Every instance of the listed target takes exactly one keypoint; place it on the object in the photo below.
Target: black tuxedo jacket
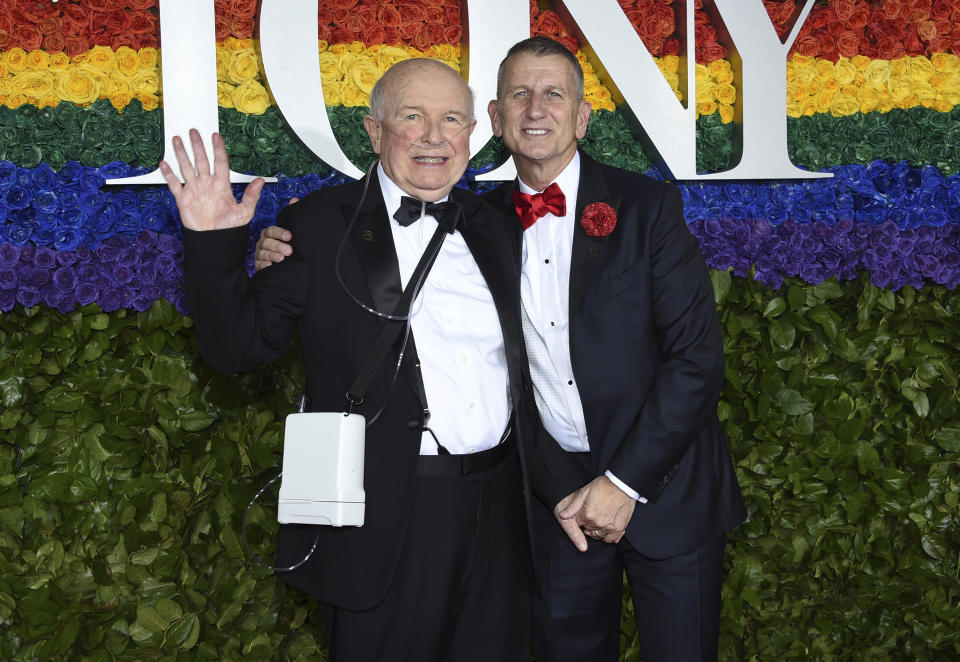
(647, 354)
(243, 322)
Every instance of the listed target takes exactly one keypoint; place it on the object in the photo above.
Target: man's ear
(372, 125)
(494, 118)
(583, 118)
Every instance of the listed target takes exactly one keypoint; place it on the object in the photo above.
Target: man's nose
(536, 107)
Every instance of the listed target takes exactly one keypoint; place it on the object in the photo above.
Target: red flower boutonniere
(598, 219)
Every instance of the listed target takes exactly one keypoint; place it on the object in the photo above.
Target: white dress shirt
(545, 298)
(458, 337)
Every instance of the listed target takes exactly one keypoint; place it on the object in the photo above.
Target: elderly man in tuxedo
(626, 361)
(440, 570)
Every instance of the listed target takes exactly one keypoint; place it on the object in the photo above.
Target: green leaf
(721, 284)
(69, 487)
(775, 307)
(791, 402)
(783, 333)
(948, 439)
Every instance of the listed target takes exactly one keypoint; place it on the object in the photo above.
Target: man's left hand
(600, 508)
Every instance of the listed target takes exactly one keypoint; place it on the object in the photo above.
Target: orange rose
(388, 16)
(342, 4)
(848, 43)
(433, 14)
(243, 8)
(374, 34)
(390, 35)
(422, 40)
(547, 24)
(452, 34)
(241, 27)
(927, 30)
(411, 13)
(143, 22)
(339, 17)
(28, 36)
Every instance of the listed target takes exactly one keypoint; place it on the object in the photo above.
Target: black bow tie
(447, 213)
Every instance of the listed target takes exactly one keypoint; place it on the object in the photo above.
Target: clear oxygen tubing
(406, 335)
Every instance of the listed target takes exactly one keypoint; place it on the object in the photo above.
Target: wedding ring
(596, 533)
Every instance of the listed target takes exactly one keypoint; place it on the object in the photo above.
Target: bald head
(420, 68)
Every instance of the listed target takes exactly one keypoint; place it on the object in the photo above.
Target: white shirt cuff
(629, 491)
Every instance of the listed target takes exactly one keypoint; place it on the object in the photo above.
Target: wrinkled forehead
(437, 88)
(524, 68)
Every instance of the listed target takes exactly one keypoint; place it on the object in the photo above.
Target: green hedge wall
(126, 464)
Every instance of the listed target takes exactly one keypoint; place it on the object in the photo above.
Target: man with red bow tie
(626, 361)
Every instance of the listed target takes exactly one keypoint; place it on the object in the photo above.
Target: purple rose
(65, 279)
(28, 296)
(110, 249)
(86, 293)
(7, 300)
(44, 258)
(110, 300)
(141, 302)
(122, 275)
(169, 244)
(8, 279)
(9, 255)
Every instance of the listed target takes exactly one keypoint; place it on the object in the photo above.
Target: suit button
(414, 424)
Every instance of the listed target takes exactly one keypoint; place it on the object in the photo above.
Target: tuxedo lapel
(587, 250)
(373, 244)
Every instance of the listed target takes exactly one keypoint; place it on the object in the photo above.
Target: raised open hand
(205, 200)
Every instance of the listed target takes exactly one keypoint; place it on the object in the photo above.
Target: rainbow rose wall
(126, 463)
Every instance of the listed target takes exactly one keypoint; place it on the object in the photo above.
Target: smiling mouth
(535, 132)
(429, 160)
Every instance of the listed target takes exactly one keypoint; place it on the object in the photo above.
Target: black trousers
(463, 587)
(577, 606)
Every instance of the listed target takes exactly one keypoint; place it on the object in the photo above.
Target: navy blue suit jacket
(647, 355)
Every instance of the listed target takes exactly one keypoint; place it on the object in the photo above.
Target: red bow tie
(530, 207)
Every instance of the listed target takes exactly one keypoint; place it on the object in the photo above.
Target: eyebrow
(402, 110)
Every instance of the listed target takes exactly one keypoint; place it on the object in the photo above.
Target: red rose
(117, 20)
(891, 48)
(671, 46)
(388, 16)
(408, 31)
(221, 27)
(5, 40)
(75, 44)
(242, 28)
(808, 45)
(50, 25)
(143, 22)
(28, 36)
(705, 33)
(373, 34)
(570, 42)
(919, 14)
(324, 17)
(452, 34)
(97, 5)
(942, 10)
(842, 9)
(340, 17)
(340, 36)
(422, 40)
(52, 42)
(390, 35)
(848, 43)
(341, 4)
(435, 31)
(598, 219)
(324, 32)
(243, 8)
(356, 23)
(149, 41)
(927, 30)
(547, 24)
(452, 15)
(828, 46)
(411, 13)
(710, 52)
(98, 22)
(137, 5)
(124, 39)
(818, 17)
(433, 14)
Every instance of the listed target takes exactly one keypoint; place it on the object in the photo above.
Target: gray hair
(542, 47)
(378, 95)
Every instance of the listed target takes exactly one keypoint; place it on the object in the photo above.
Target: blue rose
(65, 279)
(86, 293)
(66, 238)
(18, 197)
(18, 233)
(114, 170)
(28, 296)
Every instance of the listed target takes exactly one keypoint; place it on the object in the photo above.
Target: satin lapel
(373, 244)
(586, 249)
(501, 198)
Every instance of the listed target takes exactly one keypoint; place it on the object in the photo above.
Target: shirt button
(473, 405)
(570, 382)
(546, 261)
(553, 323)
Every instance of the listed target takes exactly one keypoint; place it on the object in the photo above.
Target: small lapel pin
(368, 235)
(592, 251)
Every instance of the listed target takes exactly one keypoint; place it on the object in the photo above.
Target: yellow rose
(38, 59)
(809, 108)
(225, 94)
(337, 49)
(148, 101)
(6, 85)
(445, 52)
(16, 100)
(860, 62)
(101, 57)
(844, 105)
(920, 69)
(877, 73)
(925, 93)
(706, 108)
(824, 100)
(35, 84)
(120, 100)
(128, 61)
(241, 44)
(717, 67)
(824, 68)
(356, 47)
(726, 113)
(389, 56)
(353, 95)
(945, 61)
(145, 81)
(724, 77)
(669, 64)
(344, 64)
(59, 60)
(726, 94)
(78, 86)
(51, 101)
(898, 67)
(364, 74)
(885, 104)
(329, 67)
(943, 106)
(844, 71)
(223, 61)
(900, 88)
(802, 60)
(323, 45)
(867, 99)
(3, 70)
(673, 80)
(148, 57)
(117, 83)
(251, 98)
(331, 95)
(794, 109)
(706, 93)
(701, 75)
(243, 66)
(16, 59)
